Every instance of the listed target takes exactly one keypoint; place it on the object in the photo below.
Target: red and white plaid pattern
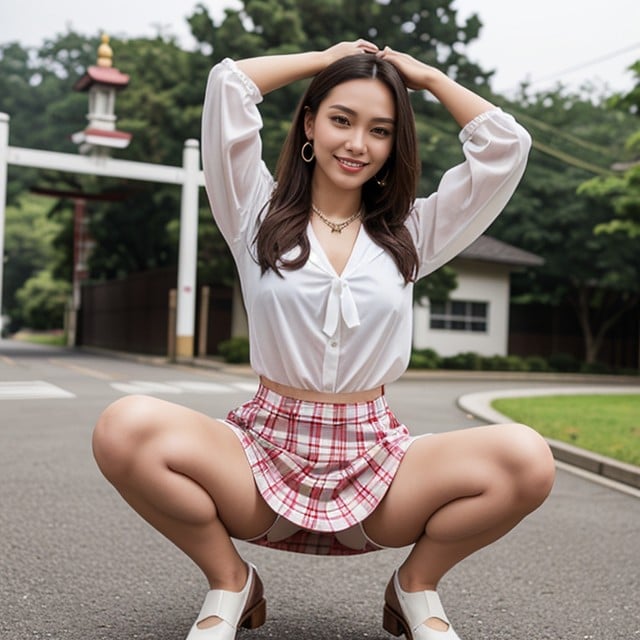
(324, 467)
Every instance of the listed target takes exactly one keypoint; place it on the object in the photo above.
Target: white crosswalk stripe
(39, 389)
(140, 386)
(201, 387)
(182, 386)
(246, 386)
(32, 390)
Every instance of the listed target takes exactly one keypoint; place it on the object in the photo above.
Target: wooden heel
(256, 617)
(392, 623)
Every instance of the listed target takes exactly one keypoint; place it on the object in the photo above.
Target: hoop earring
(382, 182)
(304, 152)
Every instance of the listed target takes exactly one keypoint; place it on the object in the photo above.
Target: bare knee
(530, 462)
(120, 431)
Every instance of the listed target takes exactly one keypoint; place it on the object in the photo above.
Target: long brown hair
(385, 207)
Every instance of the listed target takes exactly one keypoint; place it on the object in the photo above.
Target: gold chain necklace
(336, 227)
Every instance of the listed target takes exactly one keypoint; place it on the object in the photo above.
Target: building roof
(488, 249)
(109, 76)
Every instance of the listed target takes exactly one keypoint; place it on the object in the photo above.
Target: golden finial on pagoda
(105, 52)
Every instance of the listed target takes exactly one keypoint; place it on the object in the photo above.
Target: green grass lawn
(52, 338)
(605, 424)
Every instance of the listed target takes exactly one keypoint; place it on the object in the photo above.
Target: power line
(589, 63)
(570, 159)
(559, 132)
(566, 158)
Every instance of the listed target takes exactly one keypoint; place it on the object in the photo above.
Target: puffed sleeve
(472, 194)
(237, 181)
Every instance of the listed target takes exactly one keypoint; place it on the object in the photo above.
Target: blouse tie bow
(340, 303)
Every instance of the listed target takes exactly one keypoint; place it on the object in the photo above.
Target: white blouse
(315, 329)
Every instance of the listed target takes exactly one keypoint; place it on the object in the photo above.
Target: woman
(316, 462)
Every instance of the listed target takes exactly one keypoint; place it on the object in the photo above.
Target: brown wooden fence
(133, 315)
(541, 330)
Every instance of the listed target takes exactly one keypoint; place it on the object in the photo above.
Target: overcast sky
(544, 43)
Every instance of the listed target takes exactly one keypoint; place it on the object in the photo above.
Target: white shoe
(246, 608)
(408, 612)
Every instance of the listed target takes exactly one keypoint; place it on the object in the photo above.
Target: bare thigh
(190, 465)
(510, 462)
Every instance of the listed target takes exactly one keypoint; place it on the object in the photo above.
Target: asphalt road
(76, 563)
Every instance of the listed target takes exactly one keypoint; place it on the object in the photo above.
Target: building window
(460, 315)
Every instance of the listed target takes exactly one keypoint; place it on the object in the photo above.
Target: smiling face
(352, 134)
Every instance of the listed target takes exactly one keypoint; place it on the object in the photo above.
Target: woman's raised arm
(272, 72)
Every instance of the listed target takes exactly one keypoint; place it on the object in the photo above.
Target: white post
(188, 256)
(4, 150)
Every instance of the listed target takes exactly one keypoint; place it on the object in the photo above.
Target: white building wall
(477, 282)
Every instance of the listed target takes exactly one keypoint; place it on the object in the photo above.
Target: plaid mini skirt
(322, 467)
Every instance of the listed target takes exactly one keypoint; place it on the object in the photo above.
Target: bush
(424, 359)
(504, 363)
(235, 350)
(494, 363)
(564, 363)
(516, 363)
(468, 361)
(594, 367)
(536, 363)
(628, 372)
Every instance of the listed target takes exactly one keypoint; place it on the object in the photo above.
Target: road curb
(479, 405)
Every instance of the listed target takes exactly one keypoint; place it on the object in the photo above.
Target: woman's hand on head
(416, 74)
(464, 105)
(344, 49)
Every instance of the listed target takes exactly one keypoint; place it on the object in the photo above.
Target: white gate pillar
(188, 252)
(189, 176)
(4, 152)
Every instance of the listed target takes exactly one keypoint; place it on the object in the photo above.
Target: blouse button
(334, 344)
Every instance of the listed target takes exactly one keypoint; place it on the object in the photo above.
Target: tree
(574, 138)
(43, 300)
(161, 108)
(35, 90)
(621, 192)
(29, 236)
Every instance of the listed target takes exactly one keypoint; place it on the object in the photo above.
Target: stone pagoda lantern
(102, 81)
